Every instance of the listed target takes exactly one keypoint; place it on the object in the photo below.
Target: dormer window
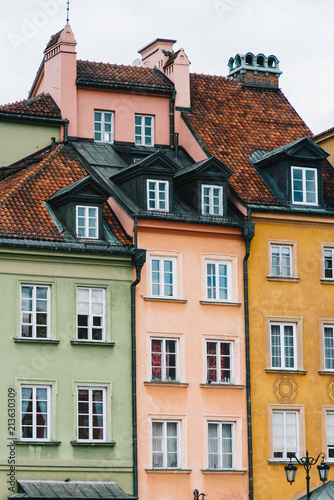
(212, 200)
(103, 126)
(87, 222)
(157, 195)
(144, 130)
(304, 186)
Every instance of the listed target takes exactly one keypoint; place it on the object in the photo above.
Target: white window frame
(34, 312)
(329, 434)
(218, 357)
(215, 287)
(87, 219)
(161, 277)
(220, 451)
(90, 314)
(330, 250)
(211, 197)
(163, 364)
(285, 451)
(329, 348)
(281, 257)
(164, 445)
(34, 412)
(141, 137)
(156, 192)
(90, 414)
(304, 170)
(282, 326)
(106, 135)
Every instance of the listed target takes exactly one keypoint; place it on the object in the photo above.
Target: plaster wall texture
(308, 300)
(192, 402)
(63, 365)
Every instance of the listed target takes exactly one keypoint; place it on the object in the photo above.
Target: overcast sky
(299, 32)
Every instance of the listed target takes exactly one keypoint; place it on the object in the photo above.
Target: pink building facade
(190, 317)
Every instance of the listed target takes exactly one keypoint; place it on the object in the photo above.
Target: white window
(90, 313)
(87, 222)
(144, 135)
(328, 262)
(219, 357)
(35, 311)
(330, 434)
(35, 412)
(221, 454)
(283, 345)
(218, 280)
(304, 186)
(91, 414)
(281, 260)
(103, 126)
(285, 434)
(163, 277)
(329, 347)
(164, 360)
(157, 195)
(212, 200)
(166, 445)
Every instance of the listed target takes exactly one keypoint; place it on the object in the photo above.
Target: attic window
(304, 186)
(249, 59)
(260, 60)
(272, 62)
(103, 126)
(87, 222)
(157, 195)
(144, 130)
(212, 200)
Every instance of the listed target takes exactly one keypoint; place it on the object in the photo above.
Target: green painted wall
(65, 364)
(21, 139)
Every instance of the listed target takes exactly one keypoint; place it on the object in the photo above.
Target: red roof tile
(42, 105)
(22, 196)
(112, 74)
(233, 121)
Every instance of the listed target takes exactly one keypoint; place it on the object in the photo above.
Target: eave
(129, 88)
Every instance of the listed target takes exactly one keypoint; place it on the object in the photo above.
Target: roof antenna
(68, 11)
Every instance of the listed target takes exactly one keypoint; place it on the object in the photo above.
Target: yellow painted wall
(328, 145)
(18, 140)
(311, 300)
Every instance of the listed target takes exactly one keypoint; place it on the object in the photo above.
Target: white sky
(299, 32)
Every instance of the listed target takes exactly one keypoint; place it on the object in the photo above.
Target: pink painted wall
(192, 322)
(124, 105)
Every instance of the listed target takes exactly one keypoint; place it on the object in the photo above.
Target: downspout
(172, 119)
(248, 234)
(139, 259)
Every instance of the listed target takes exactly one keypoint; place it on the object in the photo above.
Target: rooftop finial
(68, 11)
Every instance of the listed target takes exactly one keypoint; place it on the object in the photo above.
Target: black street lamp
(197, 495)
(307, 462)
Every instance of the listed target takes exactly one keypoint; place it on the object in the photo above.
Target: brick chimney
(255, 71)
(175, 65)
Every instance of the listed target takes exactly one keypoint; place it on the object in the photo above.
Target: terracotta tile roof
(23, 213)
(233, 121)
(111, 74)
(42, 105)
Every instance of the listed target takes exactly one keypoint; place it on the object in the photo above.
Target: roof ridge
(39, 165)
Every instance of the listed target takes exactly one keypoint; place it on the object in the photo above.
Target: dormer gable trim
(86, 190)
(157, 164)
(210, 169)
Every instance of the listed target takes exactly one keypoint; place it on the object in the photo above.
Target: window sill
(92, 342)
(285, 370)
(224, 471)
(92, 443)
(29, 340)
(36, 443)
(168, 471)
(326, 372)
(165, 299)
(279, 461)
(220, 303)
(291, 279)
(166, 384)
(221, 386)
(327, 281)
